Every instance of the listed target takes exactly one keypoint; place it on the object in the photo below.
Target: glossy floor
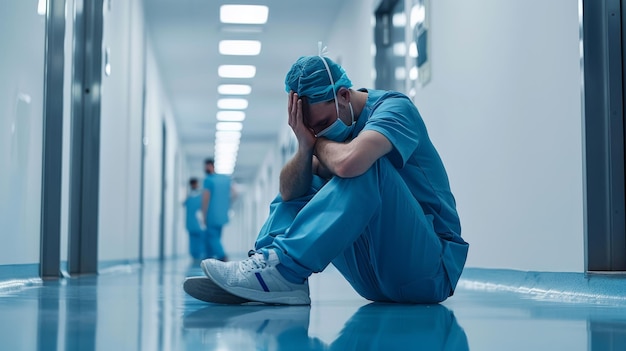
(146, 309)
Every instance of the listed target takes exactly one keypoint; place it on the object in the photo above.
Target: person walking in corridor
(216, 197)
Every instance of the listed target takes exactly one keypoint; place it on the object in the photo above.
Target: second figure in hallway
(366, 191)
(216, 197)
(194, 222)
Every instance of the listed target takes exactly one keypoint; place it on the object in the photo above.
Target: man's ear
(343, 94)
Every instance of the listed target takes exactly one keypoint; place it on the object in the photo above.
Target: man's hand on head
(304, 135)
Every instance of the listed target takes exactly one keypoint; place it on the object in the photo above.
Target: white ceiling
(185, 35)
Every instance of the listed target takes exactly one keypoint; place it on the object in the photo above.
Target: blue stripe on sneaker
(262, 282)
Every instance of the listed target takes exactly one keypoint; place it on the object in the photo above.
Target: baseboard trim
(552, 286)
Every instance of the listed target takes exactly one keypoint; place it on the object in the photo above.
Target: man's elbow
(349, 168)
(286, 194)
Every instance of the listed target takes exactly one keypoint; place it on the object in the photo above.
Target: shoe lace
(254, 262)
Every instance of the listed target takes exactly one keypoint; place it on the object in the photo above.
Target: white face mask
(338, 131)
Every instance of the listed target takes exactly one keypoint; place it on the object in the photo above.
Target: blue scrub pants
(370, 227)
(197, 245)
(214, 242)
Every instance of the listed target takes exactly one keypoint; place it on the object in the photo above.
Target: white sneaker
(257, 279)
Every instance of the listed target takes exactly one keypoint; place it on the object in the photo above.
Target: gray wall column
(602, 36)
(50, 254)
(85, 140)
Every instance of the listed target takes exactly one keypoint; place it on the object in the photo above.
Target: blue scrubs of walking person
(366, 191)
(216, 197)
(194, 222)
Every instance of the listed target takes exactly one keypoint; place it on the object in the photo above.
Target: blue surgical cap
(309, 78)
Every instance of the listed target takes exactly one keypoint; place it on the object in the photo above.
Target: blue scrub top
(193, 204)
(218, 186)
(395, 116)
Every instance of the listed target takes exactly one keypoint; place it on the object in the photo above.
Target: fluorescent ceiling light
(227, 136)
(229, 126)
(236, 71)
(232, 104)
(413, 73)
(225, 159)
(399, 19)
(399, 49)
(244, 14)
(234, 89)
(225, 152)
(42, 7)
(418, 15)
(226, 148)
(227, 144)
(223, 170)
(231, 116)
(400, 73)
(413, 50)
(240, 47)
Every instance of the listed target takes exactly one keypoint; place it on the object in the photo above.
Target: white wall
(22, 34)
(350, 41)
(504, 109)
(159, 113)
(121, 143)
(120, 126)
(180, 239)
(152, 159)
(175, 231)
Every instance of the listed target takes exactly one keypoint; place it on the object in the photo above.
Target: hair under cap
(309, 78)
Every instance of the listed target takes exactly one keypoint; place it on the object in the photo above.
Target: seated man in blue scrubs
(366, 191)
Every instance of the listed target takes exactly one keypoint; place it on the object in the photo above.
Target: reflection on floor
(146, 309)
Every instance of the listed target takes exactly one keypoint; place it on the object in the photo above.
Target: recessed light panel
(231, 116)
(236, 71)
(232, 104)
(234, 89)
(244, 14)
(240, 47)
(227, 136)
(229, 126)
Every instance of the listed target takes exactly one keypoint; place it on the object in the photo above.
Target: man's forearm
(296, 176)
(331, 155)
(353, 158)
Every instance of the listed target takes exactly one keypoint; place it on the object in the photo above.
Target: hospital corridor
(148, 199)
